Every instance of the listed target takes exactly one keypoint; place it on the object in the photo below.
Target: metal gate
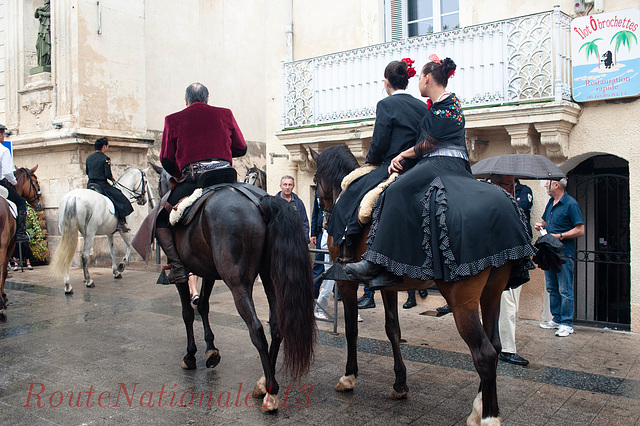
(603, 262)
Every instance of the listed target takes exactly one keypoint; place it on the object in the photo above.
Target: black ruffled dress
(437, 221)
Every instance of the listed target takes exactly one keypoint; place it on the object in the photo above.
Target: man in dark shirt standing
(99, 170)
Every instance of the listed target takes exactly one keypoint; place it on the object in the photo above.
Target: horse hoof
(475, 417)
(68, 290)
(191, 365)
(3, 317)
(261, 386)
(398, 395)
(120, 267)
(90, 284)
(117, 276)
(269, 403)
(346, 383)
(213, 358)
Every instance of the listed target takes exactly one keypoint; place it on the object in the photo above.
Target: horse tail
(293, 281)
(62, 257)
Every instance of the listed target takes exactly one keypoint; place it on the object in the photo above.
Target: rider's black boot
(363, 270)
(21, 233)
(177, 272)
(122, 225)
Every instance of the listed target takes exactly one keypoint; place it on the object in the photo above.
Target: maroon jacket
(199, 132)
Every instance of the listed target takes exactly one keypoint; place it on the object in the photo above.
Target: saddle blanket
(12, 206)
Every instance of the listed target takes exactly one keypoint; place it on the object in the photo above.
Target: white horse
(90, 213)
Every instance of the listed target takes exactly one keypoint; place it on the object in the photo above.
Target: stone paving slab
(124, 340)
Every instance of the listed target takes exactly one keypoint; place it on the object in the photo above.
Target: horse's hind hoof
(270, 403)
(90, 284)
(213, 358)
(191, 365)
(398, 395)
(346, 383)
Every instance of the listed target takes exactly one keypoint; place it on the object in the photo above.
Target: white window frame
(396, 21)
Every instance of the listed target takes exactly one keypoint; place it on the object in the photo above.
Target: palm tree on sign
(591, 48)
(623, 38)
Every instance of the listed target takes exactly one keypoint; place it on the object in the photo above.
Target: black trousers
(20, 203)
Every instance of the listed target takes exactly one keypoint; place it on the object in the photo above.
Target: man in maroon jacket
(197, 139)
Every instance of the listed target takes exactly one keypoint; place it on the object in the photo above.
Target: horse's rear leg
(246, 309)
(276, 338)
(392, 327)
(349, 292)
(85, 258)
(464, 299)
(189, 360)
(212, 355)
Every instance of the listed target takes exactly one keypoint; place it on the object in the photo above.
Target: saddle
(99, 190)
(366, 205)
(217, 179)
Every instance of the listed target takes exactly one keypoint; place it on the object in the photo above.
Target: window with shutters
(411, 18)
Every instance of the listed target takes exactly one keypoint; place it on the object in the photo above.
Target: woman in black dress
(437, 221)
(396, 128)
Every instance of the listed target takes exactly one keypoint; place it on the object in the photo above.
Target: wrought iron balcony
(519, 60)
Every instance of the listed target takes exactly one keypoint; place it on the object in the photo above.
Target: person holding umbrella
(510, 300)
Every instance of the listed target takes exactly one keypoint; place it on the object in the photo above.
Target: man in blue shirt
(562, 219)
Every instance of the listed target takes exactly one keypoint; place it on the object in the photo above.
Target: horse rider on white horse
(99, 170)
(8, 180)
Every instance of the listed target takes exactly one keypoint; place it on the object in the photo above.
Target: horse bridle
(33, 187)
(321, 191)
(134, 192)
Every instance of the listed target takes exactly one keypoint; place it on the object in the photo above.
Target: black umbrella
(521, 166)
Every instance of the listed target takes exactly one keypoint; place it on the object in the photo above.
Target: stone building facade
(119, 67)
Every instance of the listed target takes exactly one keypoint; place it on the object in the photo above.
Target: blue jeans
(560, 288)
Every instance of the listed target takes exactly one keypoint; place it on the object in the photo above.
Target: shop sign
(605, 52)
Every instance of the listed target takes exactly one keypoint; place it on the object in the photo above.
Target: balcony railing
(517, 60)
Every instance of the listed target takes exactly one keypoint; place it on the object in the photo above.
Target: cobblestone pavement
(112, 354)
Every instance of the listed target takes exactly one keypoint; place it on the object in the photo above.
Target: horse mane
(333, 164)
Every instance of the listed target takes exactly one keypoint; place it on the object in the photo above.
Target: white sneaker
(549, 324)
(320, 315)
(564, 331)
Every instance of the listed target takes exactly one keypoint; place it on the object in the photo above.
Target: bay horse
(256, 177)
(465, 297)
(87, 211)
(235, 239)
(27, 187)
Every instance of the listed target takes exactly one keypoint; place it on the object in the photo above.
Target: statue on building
(43, 43)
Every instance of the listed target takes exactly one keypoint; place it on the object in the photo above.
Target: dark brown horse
(465, 297)
(235, 240)
(28, 188)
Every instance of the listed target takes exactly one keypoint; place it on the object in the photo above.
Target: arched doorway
(600, 184)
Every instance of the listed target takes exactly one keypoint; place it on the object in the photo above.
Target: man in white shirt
(8, 180)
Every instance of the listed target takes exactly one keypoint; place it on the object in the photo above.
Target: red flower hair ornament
(410, 70)
(434, 58)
